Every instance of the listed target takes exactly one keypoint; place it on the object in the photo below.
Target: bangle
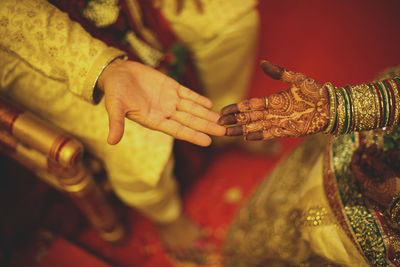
(332, 108)
(341, 114)
(396, 101)
(363, 107)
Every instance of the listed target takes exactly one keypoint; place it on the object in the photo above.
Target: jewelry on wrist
(363, 107)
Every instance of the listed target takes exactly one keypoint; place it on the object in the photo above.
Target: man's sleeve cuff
(89, 91)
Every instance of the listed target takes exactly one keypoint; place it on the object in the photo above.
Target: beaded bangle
(332, 108)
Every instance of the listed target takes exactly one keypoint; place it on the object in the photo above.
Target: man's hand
(156, 101)
(302, 109)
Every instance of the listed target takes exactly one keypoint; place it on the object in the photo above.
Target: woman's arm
(309, 107)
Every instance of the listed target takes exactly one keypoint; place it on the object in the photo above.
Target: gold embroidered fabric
(101, 13)
(47, 61)
(288, 221)
(52, 44)
(44, 67)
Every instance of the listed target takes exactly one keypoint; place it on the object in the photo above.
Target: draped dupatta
(362, 220)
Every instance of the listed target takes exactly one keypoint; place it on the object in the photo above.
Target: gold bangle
(396, 101)
(341, 113)
(364, 103)
(332, 108)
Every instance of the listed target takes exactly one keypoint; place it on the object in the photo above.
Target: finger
(197, 110)
(186, 93)
(228, 119)
(279, 73)
(198, 124)
(234, 131)
(272, 70)
(257, 103)
(271, 133)
(182, 132)
(116, 120)
(255, 136)
(249, 128)
(242, 118)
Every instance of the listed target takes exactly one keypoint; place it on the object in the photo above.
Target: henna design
(257, 103)
(300, 110)
(243, 118)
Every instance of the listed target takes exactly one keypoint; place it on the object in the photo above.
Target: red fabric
(65, 254)
(110, 35)
(156, 21)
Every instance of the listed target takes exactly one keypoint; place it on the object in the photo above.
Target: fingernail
(253, 136)
(227, 119)
(275, 72)
(232, 108)
(234, 131)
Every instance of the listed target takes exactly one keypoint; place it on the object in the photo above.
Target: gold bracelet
(365, 106)
(386, 103)
(396, 101)
(332, 107)
(341, 113)
(378, 116)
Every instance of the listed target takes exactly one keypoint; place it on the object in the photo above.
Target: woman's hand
(156, 101)
(302, 109)
(378, 181)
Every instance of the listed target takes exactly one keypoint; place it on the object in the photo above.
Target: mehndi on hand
(301, 110)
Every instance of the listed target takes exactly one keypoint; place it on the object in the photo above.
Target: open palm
(155, 101)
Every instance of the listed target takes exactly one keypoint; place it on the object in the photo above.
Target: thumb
(116, 122)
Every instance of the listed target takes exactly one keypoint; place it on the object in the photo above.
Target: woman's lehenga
(310, 211)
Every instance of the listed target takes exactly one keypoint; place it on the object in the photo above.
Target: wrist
(108, 70)
(363, 107)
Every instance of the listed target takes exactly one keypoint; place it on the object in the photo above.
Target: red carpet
(340, 41)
